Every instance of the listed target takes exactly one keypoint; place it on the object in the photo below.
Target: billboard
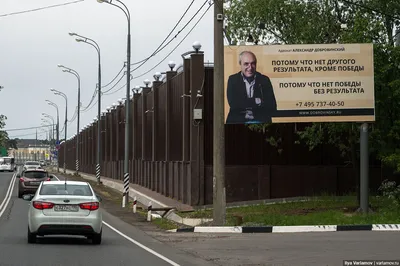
(299, 83)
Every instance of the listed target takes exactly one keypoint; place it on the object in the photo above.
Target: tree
(12, 144)
(332, 21)
(3, 134)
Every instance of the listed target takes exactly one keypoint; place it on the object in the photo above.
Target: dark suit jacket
(238, 101)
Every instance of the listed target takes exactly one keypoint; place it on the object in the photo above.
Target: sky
(33, 43)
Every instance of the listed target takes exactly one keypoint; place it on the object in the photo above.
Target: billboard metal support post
(364, 169)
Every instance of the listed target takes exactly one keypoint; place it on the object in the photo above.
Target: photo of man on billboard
(250, 94)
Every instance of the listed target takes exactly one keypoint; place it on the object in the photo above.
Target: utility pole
(35, 145)
(58, 142)
(219, 200)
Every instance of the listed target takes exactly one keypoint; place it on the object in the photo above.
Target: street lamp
(51, 124)
(56, 92)
(73, 72)
(125, 197)
(57, 128)
(97, 47)
(51, 127)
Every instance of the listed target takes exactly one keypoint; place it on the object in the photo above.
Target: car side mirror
(27, 197)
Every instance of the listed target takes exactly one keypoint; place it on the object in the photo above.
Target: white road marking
(141, 245)
(7, 198)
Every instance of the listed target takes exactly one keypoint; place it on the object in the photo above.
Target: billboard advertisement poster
(299, 83)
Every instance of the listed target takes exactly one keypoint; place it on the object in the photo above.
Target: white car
(64, 208)
(31, 165)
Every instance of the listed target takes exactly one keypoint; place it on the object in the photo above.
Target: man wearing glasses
(250, 94)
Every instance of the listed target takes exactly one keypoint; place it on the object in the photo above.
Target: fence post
(149, 212)
(134, 204)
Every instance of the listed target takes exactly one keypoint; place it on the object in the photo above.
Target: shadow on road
(60, 240)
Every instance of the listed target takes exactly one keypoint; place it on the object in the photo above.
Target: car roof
(62, 182)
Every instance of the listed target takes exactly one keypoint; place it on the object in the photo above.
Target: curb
(287, 229)
(143, 199)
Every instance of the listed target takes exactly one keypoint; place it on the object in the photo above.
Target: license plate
(34, 183)
(66, 208)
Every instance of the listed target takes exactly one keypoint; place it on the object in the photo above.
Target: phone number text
(320, 104)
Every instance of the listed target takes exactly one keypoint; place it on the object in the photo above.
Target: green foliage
(12, 144)
(341, 135)
(320, 21)
(390, 191)
(5, 141)
(273, 136)
(3, 134)
(314, 211)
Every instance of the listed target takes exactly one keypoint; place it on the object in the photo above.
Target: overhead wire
(114, 77)
(162, 60)
(96, 90)
(161, 46)
(26, 128)
(176, 35)
(24, 135)
(40, 8)
(89, 108)
(74, 116)
(83, 108)
(158, 49)
(123, 86)
(197, 22)
(105, 92)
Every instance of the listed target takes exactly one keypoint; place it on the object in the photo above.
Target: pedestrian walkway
(143, 195)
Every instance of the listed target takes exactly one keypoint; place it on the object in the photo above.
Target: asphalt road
(287, 249)
(128, 246)
(184, 248)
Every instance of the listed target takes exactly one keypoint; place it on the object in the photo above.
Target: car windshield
(31, 163)
(62, 189)
(5, 160)
(35, 174)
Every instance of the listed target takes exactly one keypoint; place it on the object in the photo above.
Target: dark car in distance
(29, 180)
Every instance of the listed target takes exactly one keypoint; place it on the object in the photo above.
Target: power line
(123, 86)
(40, 8)
(142, 62)
(74, 116)
(105, 92)
(169, 34)
(89, 108)
(177, 44)
(91, 100)
(19, 129)
(114, 77)
(197, 12)
(24, 135)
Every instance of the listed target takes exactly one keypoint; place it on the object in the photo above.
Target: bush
(390, 191)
